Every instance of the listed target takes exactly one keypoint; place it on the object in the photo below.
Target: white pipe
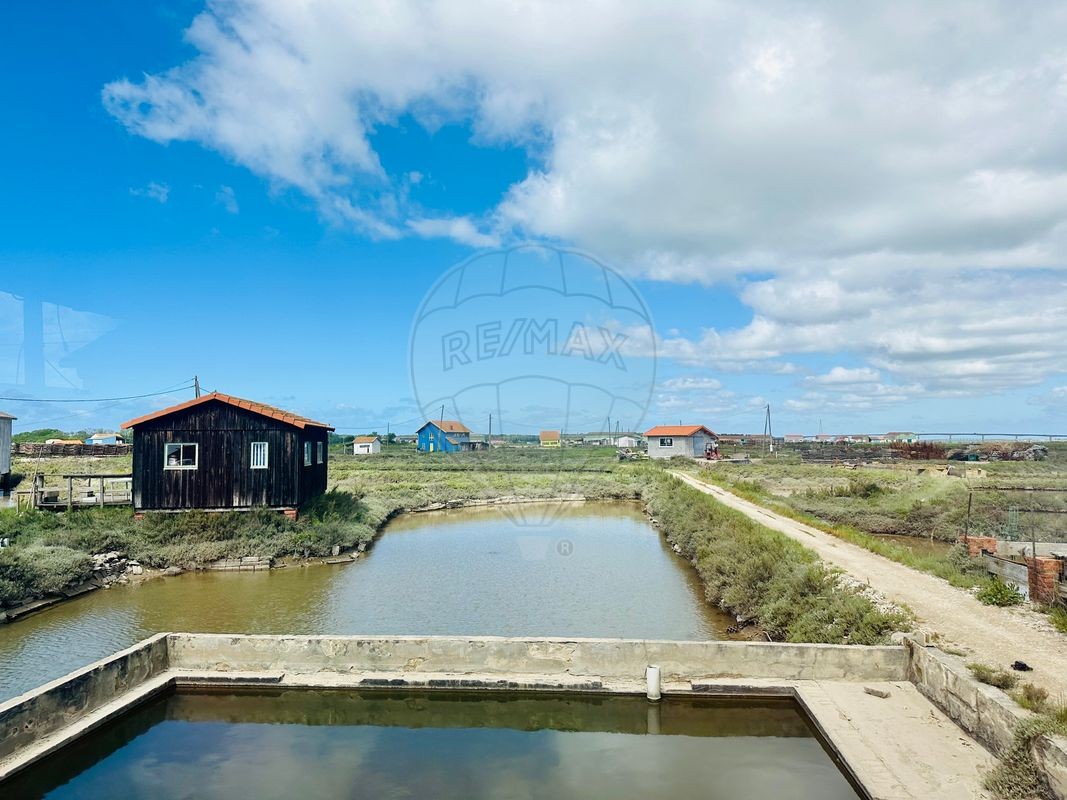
(652, 682)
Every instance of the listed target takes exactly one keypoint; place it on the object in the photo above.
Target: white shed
(694, 441)
(5, 452)
(366, 445)
(626, 442)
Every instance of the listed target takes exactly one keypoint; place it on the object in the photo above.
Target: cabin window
(322, 453)
(179, 455)
(307, 454)
(259, 455)
(666, 441)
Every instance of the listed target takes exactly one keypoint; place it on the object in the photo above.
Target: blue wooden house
(443, 436)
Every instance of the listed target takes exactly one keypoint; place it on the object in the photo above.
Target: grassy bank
(51, 551)
(763, 576)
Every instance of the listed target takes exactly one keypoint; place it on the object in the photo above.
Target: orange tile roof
(677, 430)
(549, 436)
(249, 405)
(366, 439)
(449, 426)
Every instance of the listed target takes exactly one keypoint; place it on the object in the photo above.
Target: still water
(591, 569)
(313, 745)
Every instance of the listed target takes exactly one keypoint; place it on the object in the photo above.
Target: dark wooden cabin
(222, 452)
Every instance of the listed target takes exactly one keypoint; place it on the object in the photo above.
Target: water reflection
(346, 744)
(598, 570)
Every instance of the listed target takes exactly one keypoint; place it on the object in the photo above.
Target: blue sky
(186, 200)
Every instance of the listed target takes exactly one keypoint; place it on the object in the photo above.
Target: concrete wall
(606, 659)
(986, 713)
(63, 702)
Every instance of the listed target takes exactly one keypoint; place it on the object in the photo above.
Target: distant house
(5, 452)
(406, 438)
(443, 435)
(63, 441)
(665, 441)
(550, 439)
(626, 442)
(793, 438)
(860, 438)
(222, 452)
(366, 445)
(105, 438)
(902, 436)
(824, 438)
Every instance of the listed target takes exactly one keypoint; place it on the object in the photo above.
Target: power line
(94, 399)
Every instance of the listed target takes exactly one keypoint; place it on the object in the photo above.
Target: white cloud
(898, 171)
(154, 191)
(690, 384)
(459, 229)
(843, 376)
(697, 139)
(226, 198)
(1054, 399)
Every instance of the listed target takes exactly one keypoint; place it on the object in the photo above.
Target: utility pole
(196, 385)
(442, 419)
(489, 439)
(768, 430)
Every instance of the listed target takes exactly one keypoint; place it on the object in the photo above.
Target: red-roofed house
(222, 452)
(666, 441)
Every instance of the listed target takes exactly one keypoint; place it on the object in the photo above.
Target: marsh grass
(763, 576)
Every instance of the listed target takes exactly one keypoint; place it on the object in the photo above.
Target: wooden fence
(36, 450)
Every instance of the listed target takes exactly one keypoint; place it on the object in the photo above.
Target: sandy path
(993, 635)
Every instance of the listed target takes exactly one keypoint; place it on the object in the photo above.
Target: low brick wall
(63, 702)
(609, 659)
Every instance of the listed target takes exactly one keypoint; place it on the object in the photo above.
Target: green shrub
(1058, 617)
(763, 576)
(1017, 776)
(993, 676)
(1032, 697)
(997, 593)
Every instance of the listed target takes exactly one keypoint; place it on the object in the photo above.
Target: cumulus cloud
(815, 134)
(226, 198)
(843, 376)
(890, 170)
(689, 384)
(153, 191)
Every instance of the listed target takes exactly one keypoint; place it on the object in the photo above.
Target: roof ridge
(263, 409)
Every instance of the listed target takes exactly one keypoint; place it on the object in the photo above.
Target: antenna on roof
(196, 385)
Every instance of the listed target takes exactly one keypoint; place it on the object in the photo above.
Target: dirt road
(992, 635)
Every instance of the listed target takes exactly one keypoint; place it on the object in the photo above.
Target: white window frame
(179, 465)
(307, 454)
(266, 455)
(320, 453)
(666, 441)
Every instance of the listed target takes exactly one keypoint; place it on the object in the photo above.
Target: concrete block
(1050, 753)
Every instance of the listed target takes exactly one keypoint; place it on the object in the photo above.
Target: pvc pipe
(652, 682)
(652, 726)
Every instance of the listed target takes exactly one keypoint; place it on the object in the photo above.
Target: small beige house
(366, 445)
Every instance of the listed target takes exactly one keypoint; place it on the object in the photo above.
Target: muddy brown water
(585, 569)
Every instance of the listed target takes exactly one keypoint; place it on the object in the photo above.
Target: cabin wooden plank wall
(224, 477)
